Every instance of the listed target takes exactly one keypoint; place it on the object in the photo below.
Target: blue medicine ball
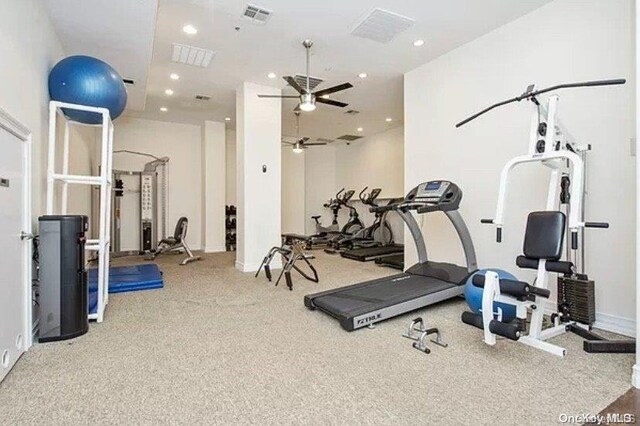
(473, 295)
(87, 81)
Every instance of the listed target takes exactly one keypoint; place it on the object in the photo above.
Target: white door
(14, 295)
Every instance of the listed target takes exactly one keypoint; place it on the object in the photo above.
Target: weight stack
(578, 296)
(64, 305)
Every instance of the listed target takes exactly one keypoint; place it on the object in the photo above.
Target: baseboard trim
(616, 324)
(215, 249)
(606, 322)
(253, 267)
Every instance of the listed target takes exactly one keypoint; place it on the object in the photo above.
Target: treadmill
(425, 283)
(366, 254)
(396, 261)
(375, 252)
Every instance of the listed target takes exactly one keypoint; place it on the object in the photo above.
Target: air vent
(382, 26)
(352, 112)
(129, 81)
(349, 138)
(203, 97)
(302, 81)
(190, 55)
(257, 14)
(324, 140)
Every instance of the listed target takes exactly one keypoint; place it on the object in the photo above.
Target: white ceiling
(252, 51)
(120, 32)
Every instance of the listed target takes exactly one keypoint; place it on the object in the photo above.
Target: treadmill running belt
(379, 293)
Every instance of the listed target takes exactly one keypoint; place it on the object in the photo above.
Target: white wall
(230, 154)
(29, 49)
(213, 186)
(320, 184)
(182, 144)
(293, 191)
(376, 161)
(564, 41)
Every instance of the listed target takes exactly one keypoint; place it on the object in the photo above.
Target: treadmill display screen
(432, 186)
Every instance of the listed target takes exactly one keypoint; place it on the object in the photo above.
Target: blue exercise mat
(125, 278)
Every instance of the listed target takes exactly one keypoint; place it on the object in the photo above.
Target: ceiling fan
(300, 143)
(307, 98)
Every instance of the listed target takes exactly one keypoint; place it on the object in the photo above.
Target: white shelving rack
(103, 181)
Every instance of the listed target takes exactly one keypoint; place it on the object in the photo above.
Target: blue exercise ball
(473, 295)
(88, 81)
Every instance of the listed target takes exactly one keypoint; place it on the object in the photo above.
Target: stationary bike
(335, 207)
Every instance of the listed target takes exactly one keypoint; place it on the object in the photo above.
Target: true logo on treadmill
(368, 319)
(406, 277)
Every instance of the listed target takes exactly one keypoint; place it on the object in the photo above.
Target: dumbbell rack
(230, 227)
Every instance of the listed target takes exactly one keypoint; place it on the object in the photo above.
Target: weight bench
(176, 242)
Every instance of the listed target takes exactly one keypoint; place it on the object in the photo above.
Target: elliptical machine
(326, 236)
(378, 233)
(354, 224)
(351, 228)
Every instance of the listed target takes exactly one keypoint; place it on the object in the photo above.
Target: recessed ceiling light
(388, 119)
(164, 109)
(174, 76)
(360, 129)
(362, 75)
(418, 43)
(271, 75)
(227, 119)
(168, 92)
(190, 29)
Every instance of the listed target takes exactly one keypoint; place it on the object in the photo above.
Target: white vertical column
(258, 152)
(213, 186)
(635, 378)
(293, 191)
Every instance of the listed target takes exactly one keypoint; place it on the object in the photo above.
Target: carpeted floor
(216, 346)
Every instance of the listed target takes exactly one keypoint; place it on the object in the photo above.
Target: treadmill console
(437, 195)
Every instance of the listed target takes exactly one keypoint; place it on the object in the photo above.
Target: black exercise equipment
(291, 251)
(395, 261)
(177, 242)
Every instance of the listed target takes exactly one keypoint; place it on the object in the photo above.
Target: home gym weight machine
(551, 145)
(153, 202)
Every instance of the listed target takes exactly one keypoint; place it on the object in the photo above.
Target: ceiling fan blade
(279, 96)
(293, 83)
(334, 89)
(288, 143)
(315, 144)
(331, 102)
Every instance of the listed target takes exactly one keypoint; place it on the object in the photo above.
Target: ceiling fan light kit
(307, 98)
(302, 143)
